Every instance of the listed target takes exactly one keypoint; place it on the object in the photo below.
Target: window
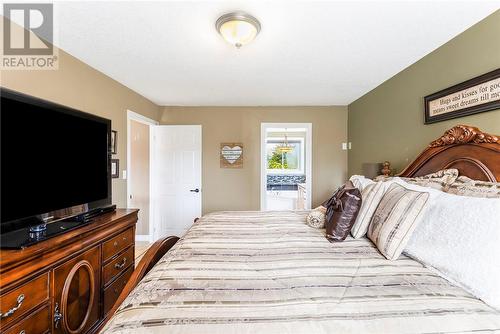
(279, 163)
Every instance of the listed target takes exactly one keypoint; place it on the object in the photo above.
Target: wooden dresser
(69, 283)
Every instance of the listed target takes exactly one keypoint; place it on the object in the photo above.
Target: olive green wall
(387, 123)
(239, 189)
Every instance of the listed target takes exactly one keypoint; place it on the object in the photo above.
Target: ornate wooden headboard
(474, 153)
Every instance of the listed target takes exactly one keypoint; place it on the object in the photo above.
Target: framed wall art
(473, 96)
(231, 155)
(115, 168)
(114, 143)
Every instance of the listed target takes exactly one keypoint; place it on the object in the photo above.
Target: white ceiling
(308, 52)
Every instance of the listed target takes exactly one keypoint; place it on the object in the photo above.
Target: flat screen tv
(55, 162)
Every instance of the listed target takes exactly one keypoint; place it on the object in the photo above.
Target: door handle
(195, 190)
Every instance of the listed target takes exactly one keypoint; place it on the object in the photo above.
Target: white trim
(263, 161)
(151, 122)
(142, 237)
(141, 118)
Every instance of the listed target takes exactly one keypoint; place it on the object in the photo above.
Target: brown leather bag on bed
(341, 212)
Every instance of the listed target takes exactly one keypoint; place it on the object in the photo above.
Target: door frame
(263, 160)
(133, 116)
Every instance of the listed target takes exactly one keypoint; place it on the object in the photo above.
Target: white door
(176, 178)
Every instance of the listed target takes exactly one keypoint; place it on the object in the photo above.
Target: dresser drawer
(112, 292)
(24, 298)
(118, 265)
(118, 243)
(35, 323)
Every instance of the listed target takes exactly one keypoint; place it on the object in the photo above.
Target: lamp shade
(371, 169)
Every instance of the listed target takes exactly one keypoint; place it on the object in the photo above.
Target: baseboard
(143, 237)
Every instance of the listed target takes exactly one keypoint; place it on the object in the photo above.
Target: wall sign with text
(470, 97)
(231, 155)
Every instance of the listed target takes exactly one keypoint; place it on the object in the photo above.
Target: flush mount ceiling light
(238, 28)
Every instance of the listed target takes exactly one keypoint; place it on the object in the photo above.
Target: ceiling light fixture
(238, 28)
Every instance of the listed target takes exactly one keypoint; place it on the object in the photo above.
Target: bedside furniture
(371, 169)
(68, 284)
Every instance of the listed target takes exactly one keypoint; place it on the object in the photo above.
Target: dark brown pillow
(341, 212)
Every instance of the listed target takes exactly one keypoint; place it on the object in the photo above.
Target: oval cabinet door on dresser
(77, 293)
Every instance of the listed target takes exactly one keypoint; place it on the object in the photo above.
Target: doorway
(286, 166)
(164, 176)
(139, 167)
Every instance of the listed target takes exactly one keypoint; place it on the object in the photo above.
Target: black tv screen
(52, 158)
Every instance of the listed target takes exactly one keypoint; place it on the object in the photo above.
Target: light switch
(350, 146)
(124, 174)
(344, 146)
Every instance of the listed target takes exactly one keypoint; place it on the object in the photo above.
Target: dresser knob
(10, 312)
(115, 243)
(22, 332)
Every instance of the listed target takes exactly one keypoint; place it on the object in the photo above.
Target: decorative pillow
(440, 180)
(371, 196)
(316, 218)
(465, 186)
(372, 193)
(459, 237)
(341, 212)
(397, 215)
(360, 182)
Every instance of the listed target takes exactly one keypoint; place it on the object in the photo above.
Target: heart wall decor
(231, 155)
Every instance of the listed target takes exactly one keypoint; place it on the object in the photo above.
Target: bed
(268, 272)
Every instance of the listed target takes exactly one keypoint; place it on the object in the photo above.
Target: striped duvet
(268, 272)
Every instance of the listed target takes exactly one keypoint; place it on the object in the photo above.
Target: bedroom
(360, 82)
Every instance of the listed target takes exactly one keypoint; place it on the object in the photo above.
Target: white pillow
(460, 237)
(360, 182)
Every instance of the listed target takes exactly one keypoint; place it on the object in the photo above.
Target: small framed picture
(114, 138)
(231, 155)
(115, 168)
